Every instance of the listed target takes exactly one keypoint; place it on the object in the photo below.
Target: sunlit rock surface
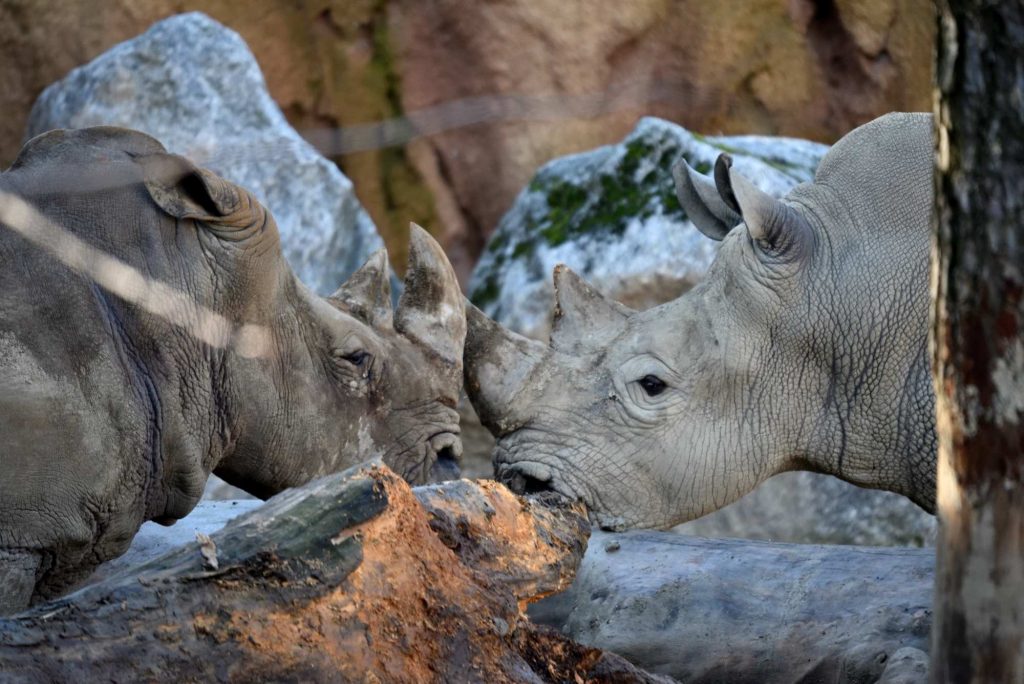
(194, 85)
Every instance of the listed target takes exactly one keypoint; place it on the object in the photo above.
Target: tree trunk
(350, 578)
(978, 280)
(747, 612)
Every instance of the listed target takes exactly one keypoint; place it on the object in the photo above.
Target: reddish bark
(978, 634)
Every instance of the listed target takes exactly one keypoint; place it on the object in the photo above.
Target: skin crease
(113, 411)
(804, 347)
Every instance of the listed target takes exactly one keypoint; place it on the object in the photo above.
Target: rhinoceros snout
(447, 452)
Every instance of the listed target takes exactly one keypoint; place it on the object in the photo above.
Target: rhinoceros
(805, 346)
(152, 333)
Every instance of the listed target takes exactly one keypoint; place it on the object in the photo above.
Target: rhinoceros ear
(431, 309)
(703, 202)
(367, 292)
(776, 227)
(186, 191)
(582, 314)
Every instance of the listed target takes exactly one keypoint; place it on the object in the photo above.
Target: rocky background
(440, 111)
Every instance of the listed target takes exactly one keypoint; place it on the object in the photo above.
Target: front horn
(498, 363)
(430, 310)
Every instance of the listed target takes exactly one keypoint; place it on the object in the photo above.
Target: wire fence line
(470, 111)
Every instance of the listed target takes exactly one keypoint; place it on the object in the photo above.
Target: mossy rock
(612, 215)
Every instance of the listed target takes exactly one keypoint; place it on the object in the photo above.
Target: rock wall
(575, 75)
(478, 95)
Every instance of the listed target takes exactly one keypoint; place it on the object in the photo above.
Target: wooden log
(720, 610)
(346, 579)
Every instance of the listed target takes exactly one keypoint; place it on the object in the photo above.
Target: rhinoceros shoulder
(82, 145)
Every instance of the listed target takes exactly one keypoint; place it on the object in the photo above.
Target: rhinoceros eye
(653, 385)
(357, 358)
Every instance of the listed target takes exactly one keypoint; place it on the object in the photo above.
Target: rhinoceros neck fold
(885, 438)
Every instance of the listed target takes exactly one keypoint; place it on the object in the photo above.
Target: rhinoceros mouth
(527, 478)
(444, 457)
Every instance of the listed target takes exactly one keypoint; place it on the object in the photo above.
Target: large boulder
(612, 216)
(195, 86)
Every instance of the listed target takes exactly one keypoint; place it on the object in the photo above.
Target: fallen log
(721, 610)
(350, 578)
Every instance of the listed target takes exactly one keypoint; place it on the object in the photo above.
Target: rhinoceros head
(805, 346)
(348, 379)
(317, 384)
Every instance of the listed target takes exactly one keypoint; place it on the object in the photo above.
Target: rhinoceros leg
(17, 579)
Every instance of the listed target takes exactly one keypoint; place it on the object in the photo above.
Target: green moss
(607, 204)
(564, 201)
(487, 292)
(636, 150)
(670, 204)
(524, 248)
(354, 90)
(497, 242)
(638, 186)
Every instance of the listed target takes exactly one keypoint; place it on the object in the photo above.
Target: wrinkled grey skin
(111, 414)
(804, 347)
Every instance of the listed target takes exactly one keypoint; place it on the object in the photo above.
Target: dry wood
(346, 579)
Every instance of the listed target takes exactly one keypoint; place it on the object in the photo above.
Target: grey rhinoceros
(804, 347)
(152, 333)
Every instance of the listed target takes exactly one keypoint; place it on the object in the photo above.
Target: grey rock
(194, 85)
(812, 508)
(612, 216)
(219, 490)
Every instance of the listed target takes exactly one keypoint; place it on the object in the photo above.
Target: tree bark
(350, 578)
(747, 612)
(978, 284)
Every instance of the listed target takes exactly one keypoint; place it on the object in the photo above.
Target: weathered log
(718, 610)
(345, 579)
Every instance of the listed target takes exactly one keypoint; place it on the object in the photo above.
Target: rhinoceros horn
(367, 292)
(582, 315)
(497, 362)
(707, 203)
(430, 310)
